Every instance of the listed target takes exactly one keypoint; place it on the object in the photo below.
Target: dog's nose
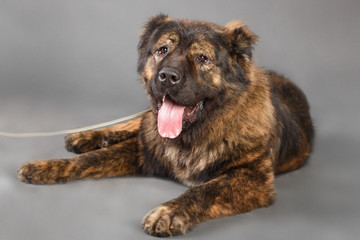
(167, 75)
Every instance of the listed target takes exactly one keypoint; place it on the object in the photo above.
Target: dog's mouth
(172, 115)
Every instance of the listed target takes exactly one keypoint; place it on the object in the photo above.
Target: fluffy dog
(218, 123)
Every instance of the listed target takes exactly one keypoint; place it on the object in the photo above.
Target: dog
(218, 123)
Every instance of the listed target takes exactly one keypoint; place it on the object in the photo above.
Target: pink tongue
(170, 119)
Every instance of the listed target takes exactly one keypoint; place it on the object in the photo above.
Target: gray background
(72, 63)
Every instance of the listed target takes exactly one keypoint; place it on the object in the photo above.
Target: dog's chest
(187, 166)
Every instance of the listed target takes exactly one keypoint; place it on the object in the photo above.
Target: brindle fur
(254, 124)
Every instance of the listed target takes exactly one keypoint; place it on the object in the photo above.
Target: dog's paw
(82, 142)
(43, 172)
(165, 221)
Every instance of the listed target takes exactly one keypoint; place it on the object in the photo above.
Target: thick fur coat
(218, 123)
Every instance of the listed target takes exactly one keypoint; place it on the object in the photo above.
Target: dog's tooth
(163, 98)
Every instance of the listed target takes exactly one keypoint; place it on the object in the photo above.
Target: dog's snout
(167, 75)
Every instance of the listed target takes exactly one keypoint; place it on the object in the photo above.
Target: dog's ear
(242, 40)
(149, 27)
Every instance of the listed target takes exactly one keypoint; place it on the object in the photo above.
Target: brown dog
(219, 124)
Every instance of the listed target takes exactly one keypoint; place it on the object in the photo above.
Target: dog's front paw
(165, 221)
(82, 142)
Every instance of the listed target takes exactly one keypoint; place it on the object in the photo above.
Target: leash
(62, 132)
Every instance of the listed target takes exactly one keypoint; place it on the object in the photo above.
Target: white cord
(61, 132)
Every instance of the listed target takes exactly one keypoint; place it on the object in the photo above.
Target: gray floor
(66, 64)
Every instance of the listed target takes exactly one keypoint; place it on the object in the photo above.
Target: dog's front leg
(239, 189)
(117, 160)
(82, 142)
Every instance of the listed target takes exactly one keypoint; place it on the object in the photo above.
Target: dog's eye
(203, 59)
(162, 51)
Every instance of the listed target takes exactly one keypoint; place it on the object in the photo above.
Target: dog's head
(191, 68)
